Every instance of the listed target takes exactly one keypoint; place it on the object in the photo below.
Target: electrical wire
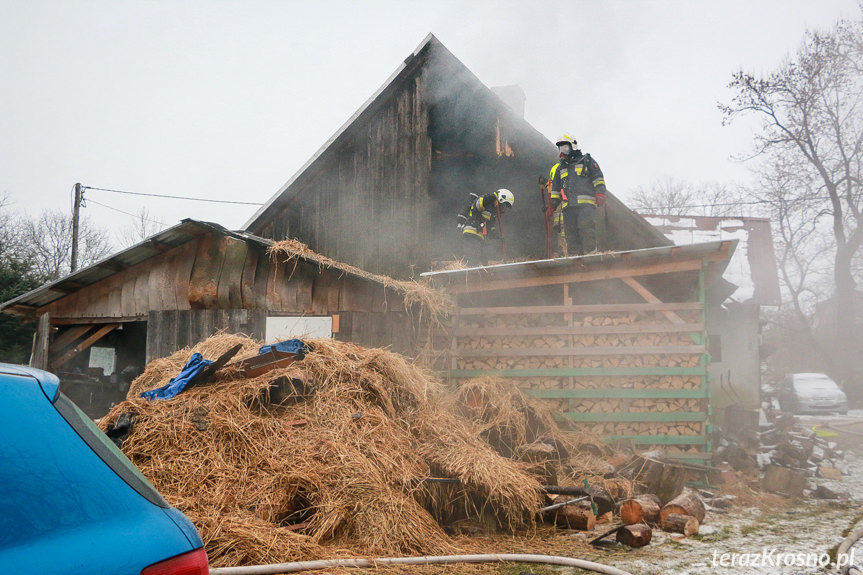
(136, 216)
(173, 197)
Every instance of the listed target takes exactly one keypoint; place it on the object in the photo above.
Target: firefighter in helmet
(478, 222)
(577, 189)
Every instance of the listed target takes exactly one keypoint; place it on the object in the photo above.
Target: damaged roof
(752, 268)
(716, 254)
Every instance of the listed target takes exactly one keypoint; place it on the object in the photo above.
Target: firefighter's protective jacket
(576, 179)
(479, 220)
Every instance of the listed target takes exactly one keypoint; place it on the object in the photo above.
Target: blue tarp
(294, 346)
(192, 368)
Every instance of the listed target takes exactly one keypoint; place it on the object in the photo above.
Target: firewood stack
(598, 340)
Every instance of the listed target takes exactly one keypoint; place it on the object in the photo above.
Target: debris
(784, 481)
(829, 472)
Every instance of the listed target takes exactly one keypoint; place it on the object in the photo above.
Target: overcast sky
(227, 99)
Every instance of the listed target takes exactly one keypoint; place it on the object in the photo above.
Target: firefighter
(478, 222)
(577, 189)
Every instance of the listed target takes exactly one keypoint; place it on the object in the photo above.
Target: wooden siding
(220, 282)
(168, 331)
(363, 204)
(219, 272)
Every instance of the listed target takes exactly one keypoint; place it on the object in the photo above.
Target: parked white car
(811, 393)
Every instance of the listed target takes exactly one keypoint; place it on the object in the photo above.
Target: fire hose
(428, 560)
(847, 544)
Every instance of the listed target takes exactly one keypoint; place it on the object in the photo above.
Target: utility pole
(75, 209)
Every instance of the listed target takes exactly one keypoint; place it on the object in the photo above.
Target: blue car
(70, 502)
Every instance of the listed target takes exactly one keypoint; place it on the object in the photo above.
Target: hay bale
(377, 425)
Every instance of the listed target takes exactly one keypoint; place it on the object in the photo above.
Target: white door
(280, 328)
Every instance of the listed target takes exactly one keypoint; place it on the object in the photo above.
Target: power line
(129, 214)
(174, 197)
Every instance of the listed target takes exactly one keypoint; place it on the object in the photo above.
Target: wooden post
(76, 207)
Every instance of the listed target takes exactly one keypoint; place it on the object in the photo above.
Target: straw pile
(434, 305)
(335, 469)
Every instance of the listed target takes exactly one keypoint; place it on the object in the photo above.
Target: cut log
(677, 523)
(640, 509)
(637, 535)
(684, 504)
(656, 475)
(576, 516)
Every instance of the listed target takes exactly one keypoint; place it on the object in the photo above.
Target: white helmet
(504, 196)
(566, 138)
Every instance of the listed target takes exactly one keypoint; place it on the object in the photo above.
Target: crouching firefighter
(479, 221)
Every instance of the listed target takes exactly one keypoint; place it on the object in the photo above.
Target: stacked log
(674, 429)
(495, 334)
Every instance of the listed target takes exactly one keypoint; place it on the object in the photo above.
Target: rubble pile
(784, 454)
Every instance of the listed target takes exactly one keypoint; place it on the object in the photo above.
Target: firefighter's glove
(600, 200)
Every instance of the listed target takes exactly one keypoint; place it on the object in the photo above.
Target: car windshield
(822, 383)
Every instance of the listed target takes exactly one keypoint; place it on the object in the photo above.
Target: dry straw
(338, 468)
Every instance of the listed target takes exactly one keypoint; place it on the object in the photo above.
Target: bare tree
(673, 197)
(48, 241)
(142, 228)
(811, 110)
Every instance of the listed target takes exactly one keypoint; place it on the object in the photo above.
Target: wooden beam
(104, 330)
(580, 330)
(576, 276)
(70, 335)
(581, 351)
(96, 320)
(601, 308)
(650, 298)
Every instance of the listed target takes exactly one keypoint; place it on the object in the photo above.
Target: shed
(99, 326)
(616, 342)
(383, 192)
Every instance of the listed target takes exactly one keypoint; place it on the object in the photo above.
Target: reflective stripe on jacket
(579, 179)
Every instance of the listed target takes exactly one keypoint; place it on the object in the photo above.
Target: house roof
(186, 231)
(753, 265)
(405, 68)
(629, 222)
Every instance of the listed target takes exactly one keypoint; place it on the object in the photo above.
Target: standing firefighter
(479, 221)
(578, 188)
